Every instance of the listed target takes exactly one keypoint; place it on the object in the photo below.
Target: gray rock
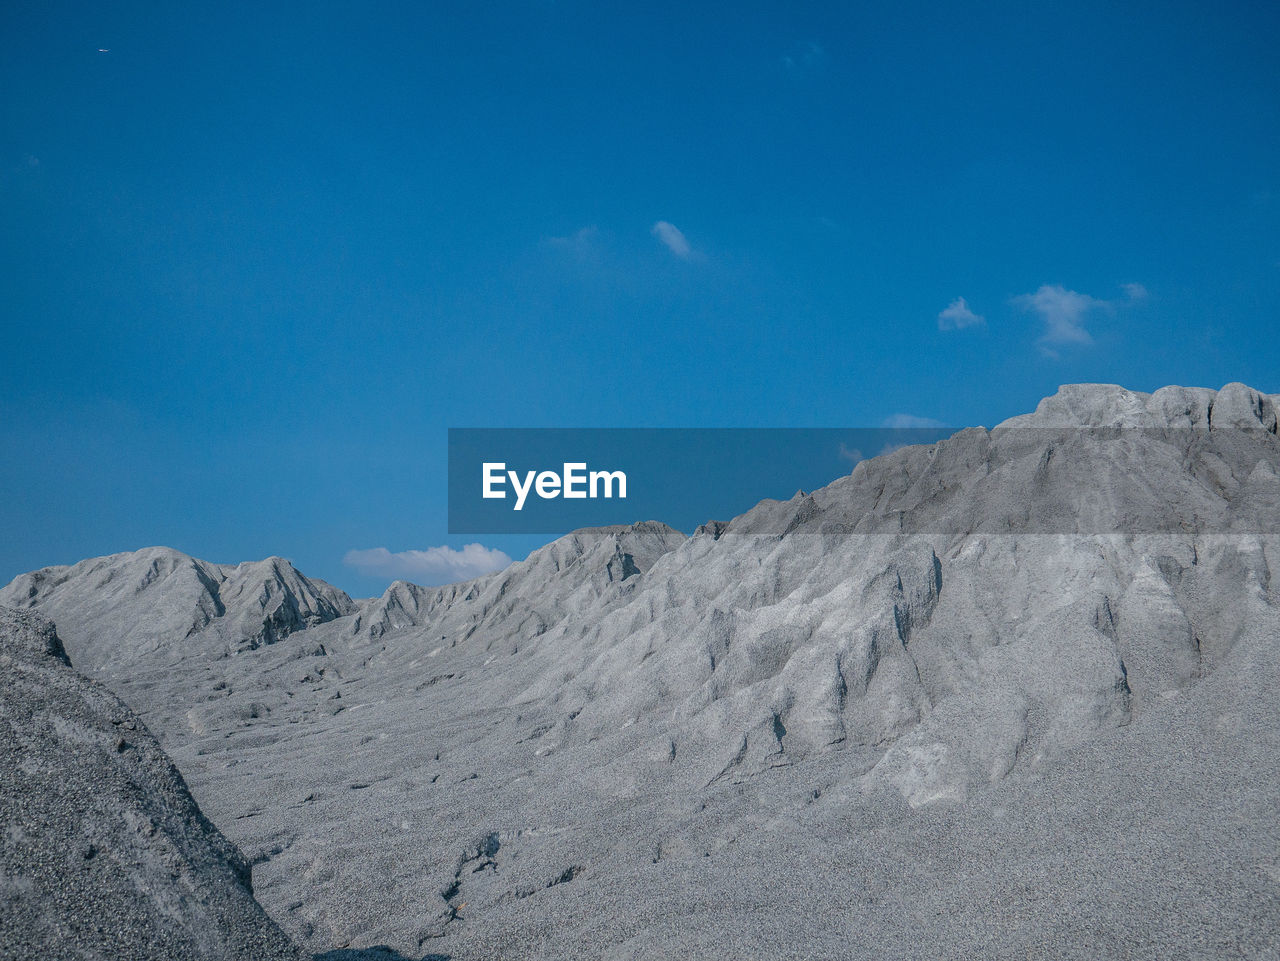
(160, 601)
(104, 853)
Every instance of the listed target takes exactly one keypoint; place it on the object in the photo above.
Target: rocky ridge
(160, 602)
(1008, 649)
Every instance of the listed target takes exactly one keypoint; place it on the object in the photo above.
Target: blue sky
(257, 261)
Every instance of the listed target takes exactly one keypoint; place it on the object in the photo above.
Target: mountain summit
(159, 601)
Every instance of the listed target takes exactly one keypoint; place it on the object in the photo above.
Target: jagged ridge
(160, 601)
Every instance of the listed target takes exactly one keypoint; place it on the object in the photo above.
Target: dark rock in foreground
(104, 852)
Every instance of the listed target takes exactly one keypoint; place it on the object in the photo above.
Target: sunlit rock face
(159, 601)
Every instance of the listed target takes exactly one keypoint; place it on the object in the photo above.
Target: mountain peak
(157, 600)
(1109, 405)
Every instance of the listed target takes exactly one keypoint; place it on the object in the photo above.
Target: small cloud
(804, 55)
(671, 235)
(910, 422)
(32, 161)
(958, 316)
(851, 454)
(435, 565)
(1063, 312)
(578, 239)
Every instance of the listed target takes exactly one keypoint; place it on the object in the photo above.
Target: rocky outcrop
(573, 576)
(158, 601)
(104, 853)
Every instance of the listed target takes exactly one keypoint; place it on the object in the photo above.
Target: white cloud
(1063, 312)
(906, 422)
(804, 54)
(676, 241)
(1135, 292)
(578, 240)
(910, 421)
(958, 316)
(852, 454)
(435, 565)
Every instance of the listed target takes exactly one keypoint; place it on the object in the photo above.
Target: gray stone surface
(159, 601)
(1012, 695)
(104, 853)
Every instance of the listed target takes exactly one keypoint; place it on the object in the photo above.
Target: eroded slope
(104, 853)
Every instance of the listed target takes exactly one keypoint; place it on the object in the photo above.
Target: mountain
(983, 697)
(573, 576)
(160, 601)
(104, 852)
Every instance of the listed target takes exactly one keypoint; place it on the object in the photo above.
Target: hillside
(980, 698)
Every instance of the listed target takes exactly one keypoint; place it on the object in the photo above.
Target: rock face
(104, 852)
(160, 601)
(576, 576)
(976, 699)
